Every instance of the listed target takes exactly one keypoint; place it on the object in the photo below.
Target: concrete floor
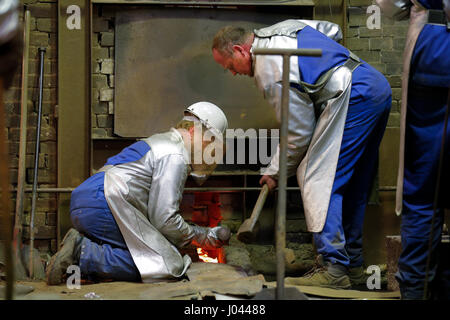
(380, 221)
(203, 280)
(141, 291)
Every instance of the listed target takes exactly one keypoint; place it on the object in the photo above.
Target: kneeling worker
(126, 216)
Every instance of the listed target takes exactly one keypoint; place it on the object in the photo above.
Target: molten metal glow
(203, 255)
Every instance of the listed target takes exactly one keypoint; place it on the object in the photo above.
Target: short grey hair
(229, 36)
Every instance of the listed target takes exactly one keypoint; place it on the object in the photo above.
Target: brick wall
(103, 72)
(383, 49)
(43, 34)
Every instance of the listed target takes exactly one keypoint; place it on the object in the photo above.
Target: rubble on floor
(256, 258)
(202, 281)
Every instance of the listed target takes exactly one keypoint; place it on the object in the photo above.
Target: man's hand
(271, 182)
(210, 238)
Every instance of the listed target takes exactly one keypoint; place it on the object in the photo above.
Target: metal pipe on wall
(188, 189)
(280, 227)
(17, 235)
(36, 157)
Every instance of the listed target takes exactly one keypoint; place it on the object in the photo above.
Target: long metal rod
(188, 189)
(280, 234)
(206, 189)
(36, 157)
(196, 189)
(280, 229)
(17, 236)
(50, 190)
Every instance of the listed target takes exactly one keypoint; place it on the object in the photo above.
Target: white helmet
(210, 115)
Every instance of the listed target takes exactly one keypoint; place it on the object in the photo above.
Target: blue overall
(427, 99)
(340, 241)
(104, 253)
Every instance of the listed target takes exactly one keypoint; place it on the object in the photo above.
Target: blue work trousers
(104, 253)
(340, 241)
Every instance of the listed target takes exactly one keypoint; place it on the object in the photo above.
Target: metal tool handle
(260, 202)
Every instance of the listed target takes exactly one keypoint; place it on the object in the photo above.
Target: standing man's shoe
(68, 254)
(358, 277)
(321, 277)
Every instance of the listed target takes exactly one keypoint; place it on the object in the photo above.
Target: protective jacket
(318, 103)
(142, 186)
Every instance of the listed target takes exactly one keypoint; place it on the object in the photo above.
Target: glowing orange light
(203, 255)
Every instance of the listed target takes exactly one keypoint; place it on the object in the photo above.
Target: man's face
(239, 62)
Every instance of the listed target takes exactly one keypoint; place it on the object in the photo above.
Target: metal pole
(244, 200)
(17, 236)
(280, 229)
(188, 189)
(51, 190)
(36, 157)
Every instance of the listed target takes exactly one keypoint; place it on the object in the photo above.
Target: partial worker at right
(423, 185)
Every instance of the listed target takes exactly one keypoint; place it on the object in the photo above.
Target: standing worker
(126, 216)
(338, 110)
(425, 97)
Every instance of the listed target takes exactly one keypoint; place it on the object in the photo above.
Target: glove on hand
(210, 238)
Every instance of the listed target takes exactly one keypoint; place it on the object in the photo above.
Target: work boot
(323, 275)
(358, 277)
(68, 254)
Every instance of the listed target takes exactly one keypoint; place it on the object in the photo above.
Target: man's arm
(166, 192)
(301, 126)
(169, 176)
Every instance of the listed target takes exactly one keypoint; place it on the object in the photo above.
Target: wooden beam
(73, 101)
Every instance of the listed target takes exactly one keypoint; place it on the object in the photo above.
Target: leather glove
(210, 238)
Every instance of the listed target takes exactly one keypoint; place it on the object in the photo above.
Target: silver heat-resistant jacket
(313, 143)
(144, 197)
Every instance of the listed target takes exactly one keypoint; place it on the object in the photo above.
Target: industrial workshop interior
(236, 150)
